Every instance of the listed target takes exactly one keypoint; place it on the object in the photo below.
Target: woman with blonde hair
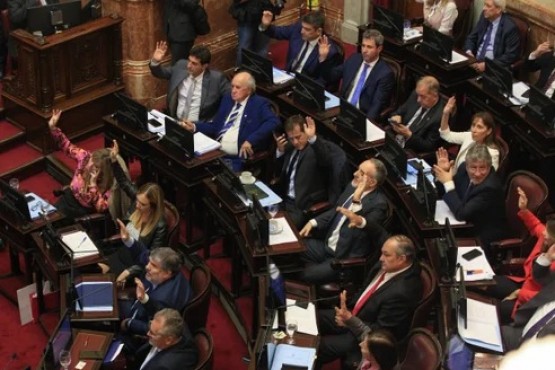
(440, 14)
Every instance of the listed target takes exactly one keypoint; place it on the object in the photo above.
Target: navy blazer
(377, 90)
(292, 33)
(545, 64)
(257, 122)
(506, 47)
(355, 242)
(181, 356)
(483, 205)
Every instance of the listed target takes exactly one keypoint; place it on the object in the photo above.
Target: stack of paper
(80, 244)
(443, 211)
(287, 354)
(477, 268)
(280, 77)
(482, 327)
(305, 317)
(204, 144)
(285, 236)
(373, 132)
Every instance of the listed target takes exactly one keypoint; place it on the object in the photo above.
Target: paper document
(38, 205)
(411, 34)
(80, 244)
(280, 77)
(482, 327)
(373, 132)
(519, 88)
(285, 236)
(477, 268)
(272, 197)
(95, 296)
(457, 57)
(305, 317)
(412, 173)
(158, 117)
(332, 101)
(291, 355)
(113, 351)
(443, 211)
(204, 144)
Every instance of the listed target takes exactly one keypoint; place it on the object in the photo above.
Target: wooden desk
(393, 48)
(288, 107)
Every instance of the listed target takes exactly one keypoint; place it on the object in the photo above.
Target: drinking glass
(65, 358)
(273, 210)
(291, 328)
(14, 183)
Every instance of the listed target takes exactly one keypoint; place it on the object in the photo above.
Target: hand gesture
(342, 314)
(160, 51)
(123, 232)
(267, 17)
(114, 151)
(310, 127)
(542, 48)
(56, 113)
(281, 142)
(442, 159)
(443, 175)
(305, 231)
(450, 106)
(361, 187)
(246, 150)
(522, 199)
(354, 219)
(140, 291)
(323, 48)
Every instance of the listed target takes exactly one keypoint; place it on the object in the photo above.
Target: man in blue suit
(303, 54)
(244, 122)
(495, 37)
(368, 81)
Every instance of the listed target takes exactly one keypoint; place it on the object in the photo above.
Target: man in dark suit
(170, 344)
(416, 122)
(179, 26)
(543, 59)
(535, 318)
(244, 122)
(387, 301)
(305, 161)
(342, 232)
(368, 81)
(304, 36)
(194, 90)
(495, 36)
(163, 286)
(474, 193)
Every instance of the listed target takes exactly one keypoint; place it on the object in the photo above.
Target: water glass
(14, 183)
(273, 210)
(65, 358)
(291, 328)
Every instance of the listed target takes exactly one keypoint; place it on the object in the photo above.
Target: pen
(81, 242)
(86, 340)
(472, 272)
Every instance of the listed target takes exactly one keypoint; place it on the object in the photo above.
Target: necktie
(338, 216)
(359, 85)
(361, 302)
(549, 82)
(538, 326)
(188, 99)
(292, 164)
(300, 57)
(230, 121)
(468, 191)
(418, 120)
(485, 43)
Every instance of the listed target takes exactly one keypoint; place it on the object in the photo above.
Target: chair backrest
(536, 191)
(195, 312)
(463, 23)
(205, 347)
(394, 102)
(423, 351)
(523, 30)
(340, 173)
(429, 288)
(172, 220)
(503, 156)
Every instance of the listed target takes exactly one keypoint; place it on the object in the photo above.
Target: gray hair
(168, 259)
(500, 4)
(373, 34)
(381, 171)
(431, 84)
(405, 246)
(173, 322)
(478, 153)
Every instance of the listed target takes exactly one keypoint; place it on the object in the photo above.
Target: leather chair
(537, 193)
(172, 220)
(429, 289)
(398, 92)
(422, 351)
(195, 312)
(463, 24)
(503, 157)
(205, 347)
(524, 32)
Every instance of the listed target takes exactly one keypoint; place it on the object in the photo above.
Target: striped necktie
(301, 56)
(230, 121)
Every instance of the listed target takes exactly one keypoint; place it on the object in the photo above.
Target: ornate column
(355, 13)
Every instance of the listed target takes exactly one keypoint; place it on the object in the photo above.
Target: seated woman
(379, 351)
(92, 188)
(482, 131)
(440, 14)
(146, 229)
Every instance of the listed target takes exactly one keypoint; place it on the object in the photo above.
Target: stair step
(10, 136)
(90, 143)
(20, 161)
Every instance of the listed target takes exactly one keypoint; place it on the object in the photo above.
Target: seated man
(334, 237)
(194, 90)
(474, 193)
(535, 318)
(163, 286)
(543, 59)
(387, 301)
(304, 36)
(305, 162)
(244, 122)
(368, 81)
(170, 344)
(416, 122)
(495, 36)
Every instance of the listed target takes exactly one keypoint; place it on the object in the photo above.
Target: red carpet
(7, 130)
(17, 156)
(42, 185)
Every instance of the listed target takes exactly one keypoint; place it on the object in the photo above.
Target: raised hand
(123, 232)
(354, 219)
(522, 199)
(450, 106)
(267, 17)
(342, 314)
(323, 48)
(310, 127)
(442, 159)
(53, 122)
(542, 48)
(160, 51)
(114, 151)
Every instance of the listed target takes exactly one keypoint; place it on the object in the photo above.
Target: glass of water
(65, 358)
(273, 210)
(291, 328)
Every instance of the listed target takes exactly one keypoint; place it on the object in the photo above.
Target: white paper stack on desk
(482, 327)
(80, 244)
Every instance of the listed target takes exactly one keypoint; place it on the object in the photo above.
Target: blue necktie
(230, 121)
(360, 85)
(487, 39)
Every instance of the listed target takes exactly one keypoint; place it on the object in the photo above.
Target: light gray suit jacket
(214, 86)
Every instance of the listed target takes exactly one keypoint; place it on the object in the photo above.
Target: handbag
(200, 20)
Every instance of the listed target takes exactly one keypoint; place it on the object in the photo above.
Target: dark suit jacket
(483, 205)
(354, 242)
(506, 47)
(545, 64)
(178, 21)
(377, 89)
(425, 135)
(292, 33)
(214, 86)
(257, 123)
(181, 356)
(392, 305)
(310, 180)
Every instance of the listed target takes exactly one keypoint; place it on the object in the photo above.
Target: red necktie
(361, 302)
